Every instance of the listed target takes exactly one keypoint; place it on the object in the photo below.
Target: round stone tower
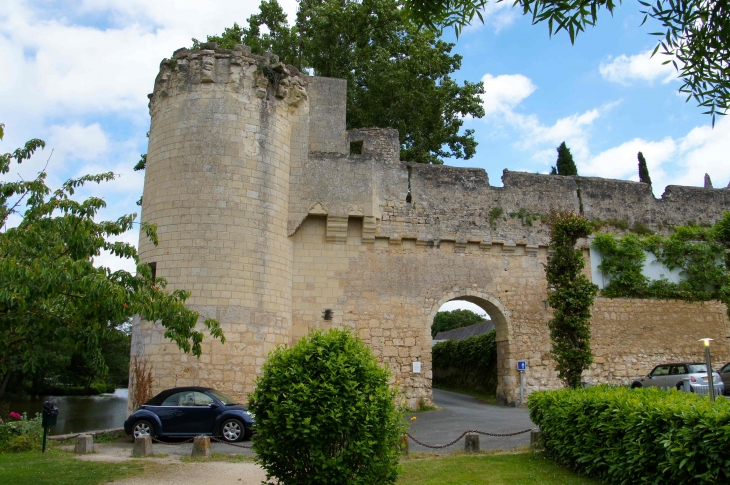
(225, 127)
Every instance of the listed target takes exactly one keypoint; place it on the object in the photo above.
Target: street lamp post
(710, 379)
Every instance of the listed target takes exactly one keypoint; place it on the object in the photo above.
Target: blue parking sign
(521, 365)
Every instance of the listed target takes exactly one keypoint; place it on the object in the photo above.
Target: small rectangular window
(153, 267)
(356, 148)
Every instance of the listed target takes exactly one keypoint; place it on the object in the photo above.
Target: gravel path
(175, 471)
(214, 472)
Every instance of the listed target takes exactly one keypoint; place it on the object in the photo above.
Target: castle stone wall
(266, 216)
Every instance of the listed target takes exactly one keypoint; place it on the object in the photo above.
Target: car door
(172, 412)
(725, 376)
(676, 374)
(658, 377)
(187, 413)
(201, 415)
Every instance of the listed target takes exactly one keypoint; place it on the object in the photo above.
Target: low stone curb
(114, 432)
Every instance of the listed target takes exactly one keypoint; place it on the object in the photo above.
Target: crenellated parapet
(232, 68)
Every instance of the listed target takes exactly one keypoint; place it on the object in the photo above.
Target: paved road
(461, 413)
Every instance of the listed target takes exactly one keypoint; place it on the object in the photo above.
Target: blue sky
(77, 74)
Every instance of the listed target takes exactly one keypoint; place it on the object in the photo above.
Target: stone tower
(223, 133)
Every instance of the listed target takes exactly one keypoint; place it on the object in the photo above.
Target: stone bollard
(142, 446)
(535, 439)
(201, 446)
(84, 444)
(471, 443)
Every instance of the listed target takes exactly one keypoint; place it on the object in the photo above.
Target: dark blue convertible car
(191, 411)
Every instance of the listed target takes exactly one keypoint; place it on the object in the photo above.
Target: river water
(79, 413)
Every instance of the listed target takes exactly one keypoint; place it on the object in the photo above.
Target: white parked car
(688, 376)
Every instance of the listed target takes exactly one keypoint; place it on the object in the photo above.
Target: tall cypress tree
(565, 164)
(643, 170)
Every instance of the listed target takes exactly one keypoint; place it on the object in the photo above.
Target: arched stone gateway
(500, 316)
(278, 221)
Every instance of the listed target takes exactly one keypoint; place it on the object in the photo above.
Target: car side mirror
(212, 405)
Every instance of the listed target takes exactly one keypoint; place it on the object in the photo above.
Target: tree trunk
(6, 378)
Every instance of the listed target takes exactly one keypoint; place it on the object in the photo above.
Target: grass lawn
(484, 469)
(56, 467)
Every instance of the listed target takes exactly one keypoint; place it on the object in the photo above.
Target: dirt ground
(172, 470)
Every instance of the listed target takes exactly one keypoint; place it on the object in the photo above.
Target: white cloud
(640, 67)
(621, 162)
(681, 161)
(503, 93)
(705, 150)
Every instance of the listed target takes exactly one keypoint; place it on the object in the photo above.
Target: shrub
(469, 364)
(623, 435)
(21, 435)
(325, 414)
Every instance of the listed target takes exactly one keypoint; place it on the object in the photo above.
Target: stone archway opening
(485, 304)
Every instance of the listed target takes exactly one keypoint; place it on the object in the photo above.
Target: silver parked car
(690, 377)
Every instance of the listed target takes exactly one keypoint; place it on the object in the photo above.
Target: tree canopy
(50, 289)
(643, 170)
(444, 321)
(398, 76)
(564, 164)
(695, 36)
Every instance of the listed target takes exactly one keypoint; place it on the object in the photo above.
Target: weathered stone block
(201, 446)
(471, 443)
(84, 444)
(535, 438)
(142, 446)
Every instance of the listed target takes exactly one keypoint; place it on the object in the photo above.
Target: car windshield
(697, 368)
(226, 400)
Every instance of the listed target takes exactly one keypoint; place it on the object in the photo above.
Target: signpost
(522, 366)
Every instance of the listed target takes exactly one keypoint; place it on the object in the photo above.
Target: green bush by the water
(22, 434)
(326, 414)
(629, 436)
(469, 364)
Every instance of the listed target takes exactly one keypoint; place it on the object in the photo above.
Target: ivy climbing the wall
(570, 295)
(699, 253)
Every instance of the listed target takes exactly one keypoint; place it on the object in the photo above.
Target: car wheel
(635, 385)
(232, 430)
(143, 428)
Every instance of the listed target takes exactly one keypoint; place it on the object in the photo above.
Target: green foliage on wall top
(699, 253)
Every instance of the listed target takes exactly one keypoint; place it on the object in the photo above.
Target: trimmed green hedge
(469, 364)
(629, 436)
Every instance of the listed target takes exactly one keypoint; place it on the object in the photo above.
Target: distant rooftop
(466, 332)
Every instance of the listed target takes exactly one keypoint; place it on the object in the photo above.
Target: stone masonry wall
(269, 220)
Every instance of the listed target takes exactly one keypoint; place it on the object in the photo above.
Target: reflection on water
(80, 413)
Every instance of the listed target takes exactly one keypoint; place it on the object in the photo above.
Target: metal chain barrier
(172, 444)
(229, 443)
(499, 435)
